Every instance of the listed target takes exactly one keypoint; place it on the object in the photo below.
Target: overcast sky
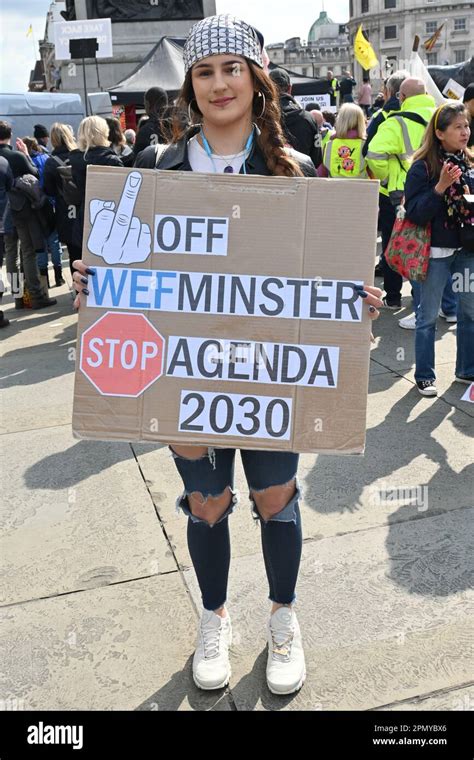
(277, 20)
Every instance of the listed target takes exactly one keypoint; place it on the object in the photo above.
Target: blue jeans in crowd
(52, 246)
(460, 264)
(209, 545)
(449, 300)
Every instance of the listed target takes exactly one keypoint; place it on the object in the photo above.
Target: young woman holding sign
(228, 92)
(441, 175)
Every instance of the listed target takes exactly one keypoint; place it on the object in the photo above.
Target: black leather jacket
(175, 158)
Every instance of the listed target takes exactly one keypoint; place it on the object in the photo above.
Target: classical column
(81, 9)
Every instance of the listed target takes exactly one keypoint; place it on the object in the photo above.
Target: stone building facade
(327, 48)
(391, 26)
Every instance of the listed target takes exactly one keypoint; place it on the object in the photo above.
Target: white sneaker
(408, 323)
(448, 317)
(286, 669)
(211, 666)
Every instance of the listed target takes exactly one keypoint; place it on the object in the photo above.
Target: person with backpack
(94, 150)
(299, 127)
(6, 184)
(390, 105)
(30, 222)
(51, 242)
(388, 159)
(234, 113)
(153, 130)
(59, 185)
(343, 157)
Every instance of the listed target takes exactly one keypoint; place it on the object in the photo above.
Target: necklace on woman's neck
(228, 169)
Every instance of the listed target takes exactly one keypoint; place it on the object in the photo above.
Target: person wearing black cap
(298, 125)
(468, 99)
(41, 136)
(153, 130)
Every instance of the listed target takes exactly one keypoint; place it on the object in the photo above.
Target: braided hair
(271, 140)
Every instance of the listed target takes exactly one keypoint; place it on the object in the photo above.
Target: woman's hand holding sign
(373, 300)
(372, 297)
(118, 236)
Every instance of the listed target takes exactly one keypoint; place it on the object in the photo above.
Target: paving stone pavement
(99, 599)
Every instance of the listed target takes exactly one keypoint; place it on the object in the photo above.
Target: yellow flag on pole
(364, 52)
(30, 31)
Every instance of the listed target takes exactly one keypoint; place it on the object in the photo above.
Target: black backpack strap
(411, 116)
(58, 161)
(160, 150)
(401, 116)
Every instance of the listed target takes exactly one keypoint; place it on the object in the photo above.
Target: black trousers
(74, 253)
(392, 281)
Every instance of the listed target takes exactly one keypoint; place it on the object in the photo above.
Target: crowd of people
(43, 181)
(233, 116)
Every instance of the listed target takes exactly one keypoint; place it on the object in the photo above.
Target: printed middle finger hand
(125, 208)
(100, 232)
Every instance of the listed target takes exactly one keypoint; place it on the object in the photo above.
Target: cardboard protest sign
(223, 311)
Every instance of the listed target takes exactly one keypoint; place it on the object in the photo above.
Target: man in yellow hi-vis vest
(334, 86)
(388, 158)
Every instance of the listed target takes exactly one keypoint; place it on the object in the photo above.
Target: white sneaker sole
(212, 688)
(407, 327)
(289, 691)
(428, 393)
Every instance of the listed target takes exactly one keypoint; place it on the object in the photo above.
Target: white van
(25, 109)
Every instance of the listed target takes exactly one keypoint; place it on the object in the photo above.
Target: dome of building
(323, 20)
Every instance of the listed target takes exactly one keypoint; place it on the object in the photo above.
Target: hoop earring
(190, 115)
(262, 95)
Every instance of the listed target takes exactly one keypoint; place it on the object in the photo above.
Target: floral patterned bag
(408, 250)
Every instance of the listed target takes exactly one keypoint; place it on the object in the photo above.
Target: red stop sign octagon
(122, 354)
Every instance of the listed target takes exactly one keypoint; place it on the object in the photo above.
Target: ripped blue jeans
(209, 545)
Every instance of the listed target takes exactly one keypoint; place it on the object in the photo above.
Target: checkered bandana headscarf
(220, 35)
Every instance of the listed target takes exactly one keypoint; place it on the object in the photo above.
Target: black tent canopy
(301, 85)
(164, 67)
